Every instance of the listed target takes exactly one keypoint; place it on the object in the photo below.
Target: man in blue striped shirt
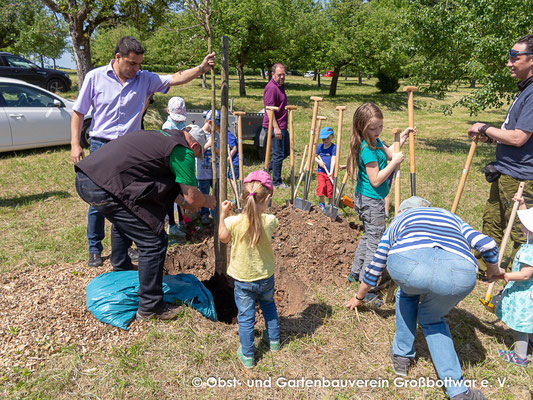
(427, 253)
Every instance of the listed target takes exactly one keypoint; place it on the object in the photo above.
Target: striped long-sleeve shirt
(429, 227)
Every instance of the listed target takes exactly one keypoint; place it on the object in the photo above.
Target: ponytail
(254, 194)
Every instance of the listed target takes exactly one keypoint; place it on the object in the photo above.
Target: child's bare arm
(224, 234)
(523, 275)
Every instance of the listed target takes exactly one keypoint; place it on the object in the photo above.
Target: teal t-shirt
(367, 155)
(183, 164)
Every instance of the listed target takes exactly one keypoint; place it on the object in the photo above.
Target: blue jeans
(246, 293)
(204, 186)
(372, 214)
(432, 281)
(280, 150)
(95, 220)
(127, 228)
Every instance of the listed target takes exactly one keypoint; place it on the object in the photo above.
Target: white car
(309, 74)
(33, 117)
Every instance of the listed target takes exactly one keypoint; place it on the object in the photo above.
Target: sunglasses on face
(515, 53)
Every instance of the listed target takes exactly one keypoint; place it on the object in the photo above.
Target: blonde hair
(361, 119)
(254, 194)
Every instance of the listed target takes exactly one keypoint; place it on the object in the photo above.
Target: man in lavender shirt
(274, 95)
(118, 94)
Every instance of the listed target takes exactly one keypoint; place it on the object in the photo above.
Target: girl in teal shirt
(375, 163)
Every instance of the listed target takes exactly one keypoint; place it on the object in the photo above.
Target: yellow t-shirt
(255, 263)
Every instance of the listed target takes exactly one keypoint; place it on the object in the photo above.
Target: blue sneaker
(352, 278)
(322, 206)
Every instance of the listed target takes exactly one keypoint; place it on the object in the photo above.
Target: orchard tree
(457, 40)
(84, 16)
(26, 27)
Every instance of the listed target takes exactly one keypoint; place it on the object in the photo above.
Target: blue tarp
(112, 297)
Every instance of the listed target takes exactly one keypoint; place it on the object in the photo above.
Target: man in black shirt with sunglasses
(514, 150)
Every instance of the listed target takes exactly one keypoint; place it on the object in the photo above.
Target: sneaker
(206, 219)
(352, 278)
(512, 357)
(95, 260)
(322, 207)
(470, 394)
(134, 254)
(165, 313)
(400, 364)
(274, 345)
(281, 186)
(176, 231)
(372, 299)
(248, 362)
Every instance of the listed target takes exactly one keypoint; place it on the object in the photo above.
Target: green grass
(43, 223)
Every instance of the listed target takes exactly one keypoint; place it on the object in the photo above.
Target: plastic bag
(112, 297)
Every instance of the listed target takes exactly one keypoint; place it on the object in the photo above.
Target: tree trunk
(315, 75)
(42, 61)
(318, 81)
(55, 66)
(204, 83)
(334, 80)
(82, 53)
(359, 78)
(242, 87)
(473, 83)
(263, 74)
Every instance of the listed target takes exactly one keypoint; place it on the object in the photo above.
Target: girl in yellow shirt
(252, 262)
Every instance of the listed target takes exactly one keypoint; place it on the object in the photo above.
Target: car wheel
(56, 85)
(85, 139)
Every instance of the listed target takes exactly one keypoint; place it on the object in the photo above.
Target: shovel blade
(488, 305)
(331, 212)
(302, 204)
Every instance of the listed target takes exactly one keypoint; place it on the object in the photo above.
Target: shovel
(487, 300)
(291, 136)
(299, 203)
(330, 208)
(239, 141)
(411, 115)
(270, 111)
(459, 192)
(333, 209)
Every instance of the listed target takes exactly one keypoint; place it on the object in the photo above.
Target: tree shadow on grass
(484, 153)
(463, 327)
(301, 325)
(32, 198)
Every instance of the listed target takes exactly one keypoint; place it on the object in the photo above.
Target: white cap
(526, 217)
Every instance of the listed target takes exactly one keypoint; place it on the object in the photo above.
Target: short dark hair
(276, 65)
(528, 40)
(127, 45)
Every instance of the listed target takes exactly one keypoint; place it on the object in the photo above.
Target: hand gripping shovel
(299, 203)
(291, 135)
(332, 208)
(487, 300)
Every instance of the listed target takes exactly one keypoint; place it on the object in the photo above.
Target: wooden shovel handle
(239, 141)
(340, 109)
(506, 236)
(462, 182)
(270, 111)
(397, 133)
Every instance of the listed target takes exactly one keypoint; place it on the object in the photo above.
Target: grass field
(43, 225)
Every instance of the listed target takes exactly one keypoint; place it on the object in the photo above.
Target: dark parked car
(12, 66)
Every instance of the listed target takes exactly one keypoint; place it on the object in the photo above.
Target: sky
(66, 61)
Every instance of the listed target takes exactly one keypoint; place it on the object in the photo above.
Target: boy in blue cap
(325, 157)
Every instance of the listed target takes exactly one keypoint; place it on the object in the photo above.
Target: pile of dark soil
(308, 247)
